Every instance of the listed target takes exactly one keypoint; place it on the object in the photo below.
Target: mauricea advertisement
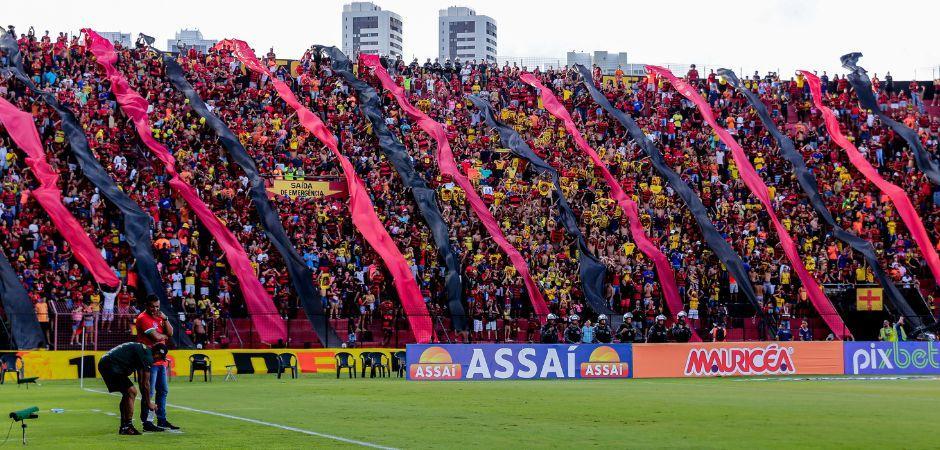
(518, 361)
(892, 358)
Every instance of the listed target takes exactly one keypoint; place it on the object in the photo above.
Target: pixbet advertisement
(891, 358)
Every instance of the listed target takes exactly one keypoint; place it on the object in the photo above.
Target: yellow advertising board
(307, 188)
(67, 364)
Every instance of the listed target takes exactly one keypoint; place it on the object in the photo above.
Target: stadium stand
(357, 292)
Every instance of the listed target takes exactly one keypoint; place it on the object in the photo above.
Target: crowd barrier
(707, 359)
(558, 361)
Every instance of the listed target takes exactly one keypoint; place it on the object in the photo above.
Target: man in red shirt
(153, 328)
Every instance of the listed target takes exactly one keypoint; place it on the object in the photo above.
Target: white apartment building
(368, 28)
(464, 34)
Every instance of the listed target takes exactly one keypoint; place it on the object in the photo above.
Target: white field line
(846, 378)
(268, 424)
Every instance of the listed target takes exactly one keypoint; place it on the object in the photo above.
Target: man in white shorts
(107, 307)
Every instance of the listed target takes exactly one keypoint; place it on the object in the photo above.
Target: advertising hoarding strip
(300, 275)
(264, 314)
(21, 128)
(713, 359)
(716, 242)
(448, 166)
(897, 195)
(591, 270)
(759, 189)
(892, 358)
(425, 197)
(136, 224)
(667, 278)
(448, 362)
(363, 212)
(860, 82)
(810, 187)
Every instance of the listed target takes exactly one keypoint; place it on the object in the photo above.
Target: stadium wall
(560, 361)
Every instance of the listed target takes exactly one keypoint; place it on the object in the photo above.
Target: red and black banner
(448, 166)
(592, 271)
(757, 187)
(667, 278)
(136, 224)
(713, 238)
(363, 212)
(898, 197)
(425, 197)
(810, 187)
(269, 323)
(300, 275)
(860, 82)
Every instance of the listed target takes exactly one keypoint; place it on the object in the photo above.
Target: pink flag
(264, 314)
(21, 128)
(759, 189)
(900, 200)
(363, 213)
(663, 269)
(448, 166)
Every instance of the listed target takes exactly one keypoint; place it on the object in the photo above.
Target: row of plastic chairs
(199, 362)
(378, 362)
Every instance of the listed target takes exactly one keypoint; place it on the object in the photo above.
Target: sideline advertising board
(892, 358)
(518, 361)
(68, 364)
(714, 359)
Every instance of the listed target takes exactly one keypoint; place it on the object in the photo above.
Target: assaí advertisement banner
(518, 361)
(713, 359)
(892, 358)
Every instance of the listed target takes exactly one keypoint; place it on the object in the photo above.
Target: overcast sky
(899, 35)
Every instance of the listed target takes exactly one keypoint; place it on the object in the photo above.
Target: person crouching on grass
(115, 368)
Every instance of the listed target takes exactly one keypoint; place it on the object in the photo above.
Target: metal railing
(65, 330)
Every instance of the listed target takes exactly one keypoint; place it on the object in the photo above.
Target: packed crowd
(351, 280)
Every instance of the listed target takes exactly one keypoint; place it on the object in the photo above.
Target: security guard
(657, 333)
(573, 332)
(680, 330)
(549, 332)
(602, 332)
(627, 332)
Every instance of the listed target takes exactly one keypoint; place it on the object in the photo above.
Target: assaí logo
(759, 360)
(435, 363)
(604, 362)
(896, 357)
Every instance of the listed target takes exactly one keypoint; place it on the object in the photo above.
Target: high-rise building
(190, 39)
(369, 29)
(608, 62)
(116, 36)
(465, 35)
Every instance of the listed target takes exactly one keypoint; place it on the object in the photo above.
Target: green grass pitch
(689, 413)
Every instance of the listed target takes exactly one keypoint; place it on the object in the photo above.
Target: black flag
(137, 224)
(716, 242)
(592, 271)
(859, 80)
(301, 276)
(392, 148)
